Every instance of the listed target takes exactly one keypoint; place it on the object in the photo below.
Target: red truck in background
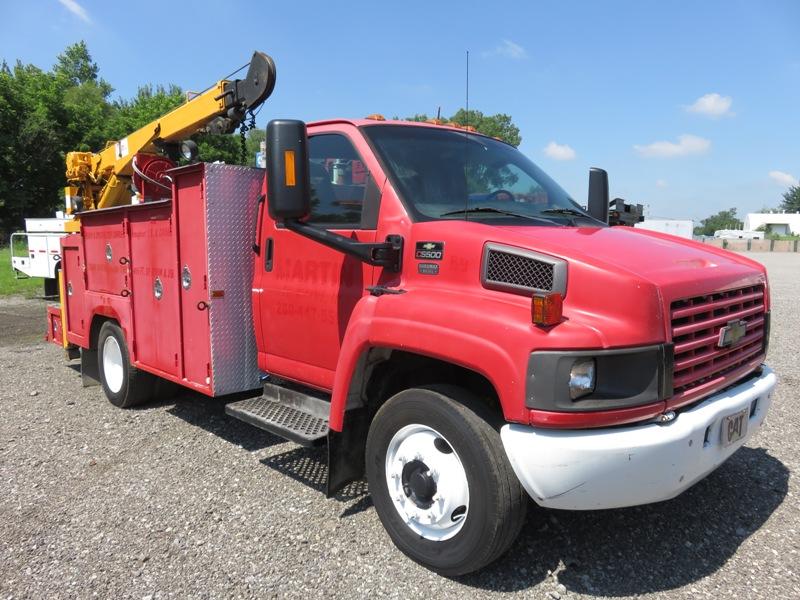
(438, 311)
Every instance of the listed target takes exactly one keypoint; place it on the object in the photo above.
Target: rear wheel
(441, 482)
(123, 384)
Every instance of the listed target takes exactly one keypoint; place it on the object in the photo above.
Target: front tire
(124, 385)
(440, 480)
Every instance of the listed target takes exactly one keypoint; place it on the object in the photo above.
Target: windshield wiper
(564, 210)
(498, 211)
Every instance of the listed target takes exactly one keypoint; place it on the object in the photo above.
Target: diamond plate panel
(284, 416)
(231, 197)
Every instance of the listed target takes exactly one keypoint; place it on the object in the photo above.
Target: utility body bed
(176, 275)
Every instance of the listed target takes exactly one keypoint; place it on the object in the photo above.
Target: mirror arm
(387, 254)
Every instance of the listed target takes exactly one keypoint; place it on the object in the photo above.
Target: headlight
(598, 379)
(582, 378)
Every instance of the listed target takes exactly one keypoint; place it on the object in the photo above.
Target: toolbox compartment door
(74, 290)
(155, 290)
(193, 276)
(106, 247)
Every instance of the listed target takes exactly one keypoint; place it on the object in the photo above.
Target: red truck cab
(430, 304)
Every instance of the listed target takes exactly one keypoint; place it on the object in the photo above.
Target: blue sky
(692, 107)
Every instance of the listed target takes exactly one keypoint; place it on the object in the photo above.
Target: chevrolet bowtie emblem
(732, 333)
(429, 246)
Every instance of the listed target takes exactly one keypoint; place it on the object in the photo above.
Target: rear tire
(440, 480)
(124, 385)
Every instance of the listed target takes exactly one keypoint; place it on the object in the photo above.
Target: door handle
(270, 244)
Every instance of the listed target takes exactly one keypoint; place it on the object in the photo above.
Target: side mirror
(288, 185)
(598, 194)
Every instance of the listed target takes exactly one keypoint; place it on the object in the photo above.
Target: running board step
(286, 412)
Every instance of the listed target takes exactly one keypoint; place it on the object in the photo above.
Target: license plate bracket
(734, 427)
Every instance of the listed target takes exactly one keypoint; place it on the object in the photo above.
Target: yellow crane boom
(102, 179)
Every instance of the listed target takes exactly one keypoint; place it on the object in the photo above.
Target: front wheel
(441, 482)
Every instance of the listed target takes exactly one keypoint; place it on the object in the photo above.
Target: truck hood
(616, 276)
(679, 268)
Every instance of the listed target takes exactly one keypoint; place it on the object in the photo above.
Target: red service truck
(437, 310)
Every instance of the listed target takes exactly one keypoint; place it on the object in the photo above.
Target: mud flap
(346, 450)
(90, 374)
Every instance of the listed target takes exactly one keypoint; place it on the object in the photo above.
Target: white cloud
(661, 183)
(76, 9)
(508, 49)
(712, 105)
(559, 151)
(687, 144)
(786, 179)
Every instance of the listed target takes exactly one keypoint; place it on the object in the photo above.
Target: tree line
(500, 126)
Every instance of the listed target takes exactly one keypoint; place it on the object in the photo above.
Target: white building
(779, 223)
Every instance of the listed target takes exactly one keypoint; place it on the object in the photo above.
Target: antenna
(466, 146)
(467, 91)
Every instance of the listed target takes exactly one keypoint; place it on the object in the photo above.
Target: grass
(10, 286)
(782, 238)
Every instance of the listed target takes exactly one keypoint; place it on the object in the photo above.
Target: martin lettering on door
(319, 272)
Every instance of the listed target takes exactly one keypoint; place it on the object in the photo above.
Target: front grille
(522, 271)
(700, 363)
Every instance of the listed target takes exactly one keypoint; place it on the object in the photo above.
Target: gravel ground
(177, 500)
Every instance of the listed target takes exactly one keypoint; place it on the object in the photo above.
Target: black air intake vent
(522, 271)
(519, 270)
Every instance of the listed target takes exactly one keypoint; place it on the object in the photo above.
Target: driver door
(307, 290)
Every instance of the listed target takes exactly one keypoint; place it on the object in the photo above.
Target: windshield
(445, 174)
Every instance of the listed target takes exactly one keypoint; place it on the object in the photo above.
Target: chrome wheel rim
(427, 482)
(113, 370)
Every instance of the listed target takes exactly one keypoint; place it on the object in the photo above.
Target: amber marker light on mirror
(546, 309)
(288, 162)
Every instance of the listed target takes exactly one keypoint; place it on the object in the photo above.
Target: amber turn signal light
(289, 171)
(546, 309)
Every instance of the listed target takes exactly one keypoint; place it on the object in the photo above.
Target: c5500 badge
(429, 251)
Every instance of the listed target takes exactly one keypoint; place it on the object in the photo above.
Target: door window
(339, 181)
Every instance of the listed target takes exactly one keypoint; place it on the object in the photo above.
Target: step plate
(286, 421)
